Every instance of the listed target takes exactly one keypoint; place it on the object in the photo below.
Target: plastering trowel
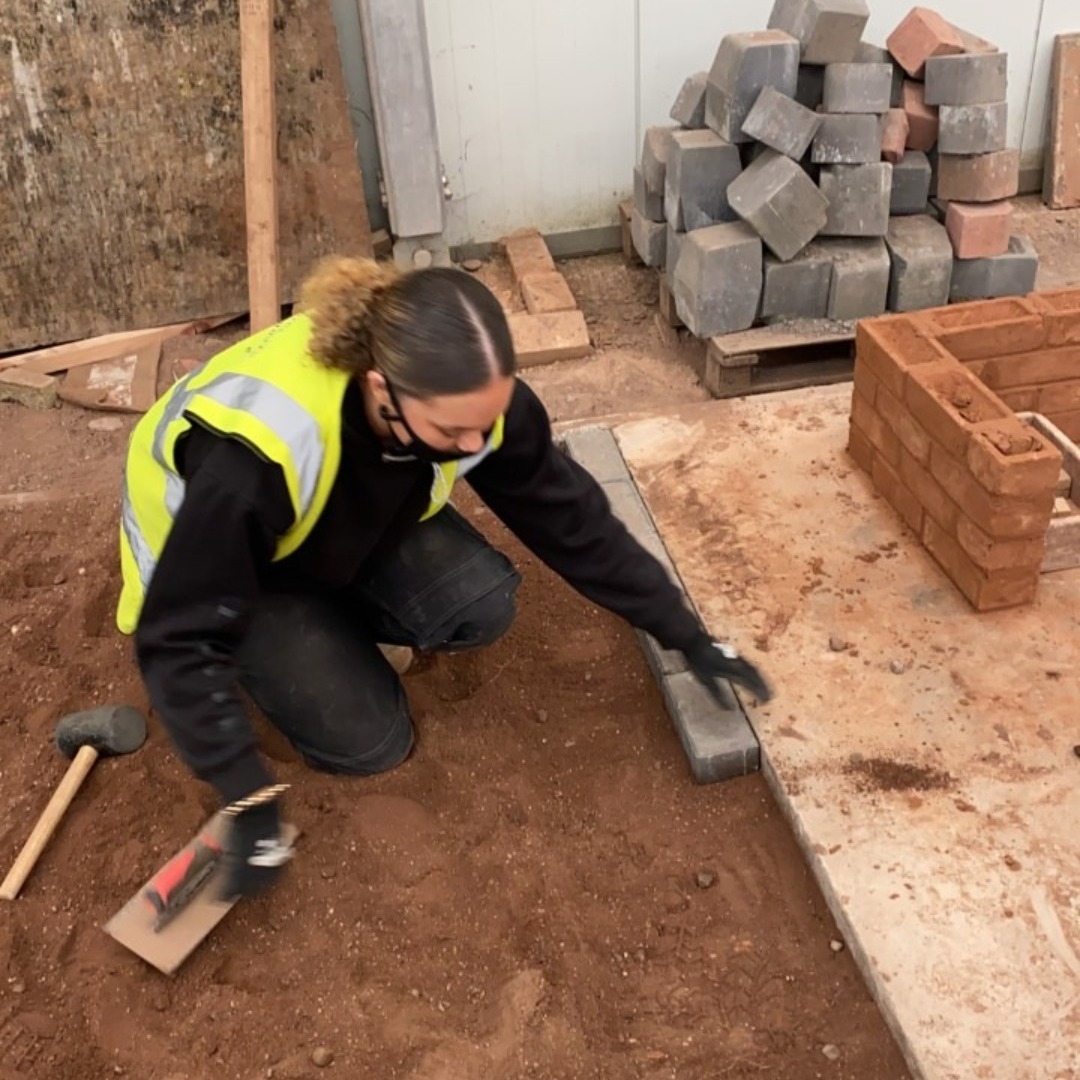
(177, 908)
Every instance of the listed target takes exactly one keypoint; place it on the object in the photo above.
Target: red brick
(1061, 313)
(897, 495)
(1061, 183)
(865, 381)
(895, 130)
(860, 449)
(1068, 423)
(952, 558)
(875, 429)
(979, 178)
(527, 253)
(922, 119)
(1009, 457)
(979, 230)
(947, 401)
(993, 556)
(1008, 590)
(1019, 398)
(1001, 516)
(984, 591)
(1056, 397)
(1032, 368)
(929, 492)
(983, 330)
(922, 33)
(911, 435)
(891, 346)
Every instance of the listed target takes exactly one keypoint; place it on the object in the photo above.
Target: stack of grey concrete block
(797, 180)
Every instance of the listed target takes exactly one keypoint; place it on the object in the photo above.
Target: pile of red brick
(932, 422)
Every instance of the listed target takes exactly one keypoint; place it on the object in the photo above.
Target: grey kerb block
(875, 54)
(689, 107)
(650, 238)
(672, 249)
(858, 88)
(701, 165)
(860, 279)
(967, 80)
(828, 30)
(648, 204)
(781, 123)
(1011, 274)
(972, 129)
(910, 184)
(717, 285)
(745, 64)
(922, 258)
(780, 202)
(719, 743)
(847, 139)
(798, 289)
(859, 198)
(654, 155)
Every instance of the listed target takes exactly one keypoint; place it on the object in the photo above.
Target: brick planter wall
(933, 423)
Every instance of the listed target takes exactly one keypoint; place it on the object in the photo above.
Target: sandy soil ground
(540, 891)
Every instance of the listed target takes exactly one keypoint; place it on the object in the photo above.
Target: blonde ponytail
(339, 297)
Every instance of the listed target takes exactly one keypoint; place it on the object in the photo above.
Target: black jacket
(218, 558)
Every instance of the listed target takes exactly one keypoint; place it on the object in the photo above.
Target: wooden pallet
(782, 356)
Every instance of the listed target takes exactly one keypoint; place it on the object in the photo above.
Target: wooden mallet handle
(77, 772)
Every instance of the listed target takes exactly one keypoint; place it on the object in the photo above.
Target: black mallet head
(110, 730)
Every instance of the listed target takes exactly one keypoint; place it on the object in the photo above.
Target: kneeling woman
(286, 509)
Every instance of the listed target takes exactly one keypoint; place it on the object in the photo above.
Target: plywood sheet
(1061, 187)
(121, 160)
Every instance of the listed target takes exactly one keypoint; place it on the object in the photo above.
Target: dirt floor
(540, 891)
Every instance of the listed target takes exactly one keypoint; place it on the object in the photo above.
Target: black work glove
(255, 853)
(715, 664)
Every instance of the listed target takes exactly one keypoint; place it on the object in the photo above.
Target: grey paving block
(967, 79)
(828, 30)
(858, 88)
(910, 184)
(781, 123)
(1011, 274)
(875, 54)
(922, 258)
(719, 743)
(859, 198)
(810, 86)
(744, 65)
(780, 202)
(972, 129)
(799, 288)
(654, 156)
(689, 107)
(860, 278)
(847, 139)
(700, 167)
(596, 449)
(717, 285)
(650, 238)
(648, 204)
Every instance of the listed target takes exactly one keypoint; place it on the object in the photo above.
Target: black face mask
(417, 449)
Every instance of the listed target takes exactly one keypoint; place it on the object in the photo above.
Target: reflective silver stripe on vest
(289, 421)
(144, 560)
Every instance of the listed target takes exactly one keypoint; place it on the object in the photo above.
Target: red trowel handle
(182, 874)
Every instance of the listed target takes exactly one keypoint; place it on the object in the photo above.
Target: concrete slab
(928, 767)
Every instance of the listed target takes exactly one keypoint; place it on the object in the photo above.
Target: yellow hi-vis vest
(271, 394)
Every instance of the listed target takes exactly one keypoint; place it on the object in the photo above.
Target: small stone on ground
(472, 265)
(837, 644)
(321, 1057)
(831, 1052)
(705, 879)
(106, 423)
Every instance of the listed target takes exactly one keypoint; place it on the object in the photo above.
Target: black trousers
(310, 660)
